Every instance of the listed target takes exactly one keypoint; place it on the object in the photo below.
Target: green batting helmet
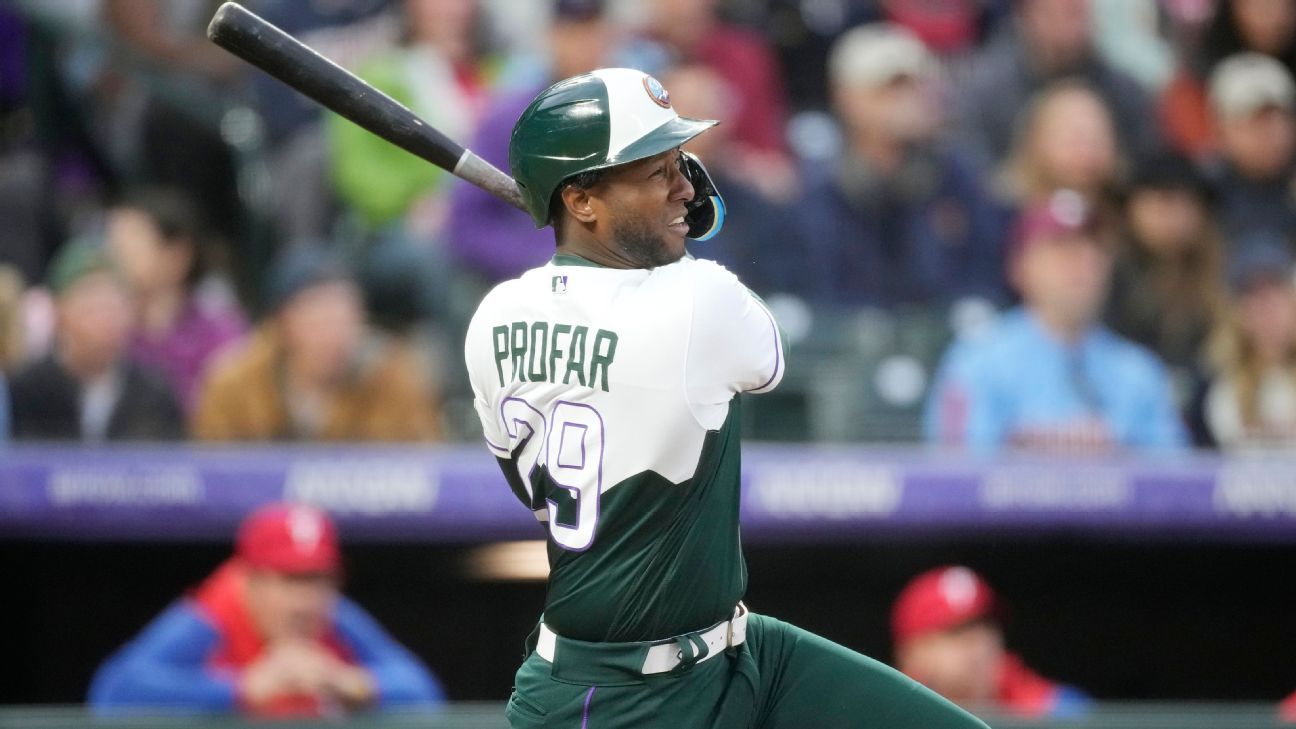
(601, 119)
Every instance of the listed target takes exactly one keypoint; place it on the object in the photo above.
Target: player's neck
(594, 253)
(1068, 330)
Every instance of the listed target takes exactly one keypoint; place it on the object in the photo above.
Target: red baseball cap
(940, 599)
(1065, 212)
(946, 26)
(289, 538)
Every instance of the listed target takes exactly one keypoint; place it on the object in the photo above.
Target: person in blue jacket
(267, 635)
(1047, 376)
(4, 409)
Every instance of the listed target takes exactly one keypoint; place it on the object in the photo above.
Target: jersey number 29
(570, 447)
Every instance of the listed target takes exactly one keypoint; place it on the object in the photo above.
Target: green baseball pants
(781, 677)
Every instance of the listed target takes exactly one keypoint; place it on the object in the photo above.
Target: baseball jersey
(609, 398)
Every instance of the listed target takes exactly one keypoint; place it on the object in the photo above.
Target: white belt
(666, 655)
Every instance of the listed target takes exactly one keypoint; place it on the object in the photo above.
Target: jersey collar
(571, 259)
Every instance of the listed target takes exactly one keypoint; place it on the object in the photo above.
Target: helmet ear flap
(706, 211)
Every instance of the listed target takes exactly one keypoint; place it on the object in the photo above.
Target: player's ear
(579, 203)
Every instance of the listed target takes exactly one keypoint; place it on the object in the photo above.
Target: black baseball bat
(250, 37)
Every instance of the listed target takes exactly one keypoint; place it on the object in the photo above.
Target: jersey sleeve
(735, 345)
(165, 668)
(477, 346)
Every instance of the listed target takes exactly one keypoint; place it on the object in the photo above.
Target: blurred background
(1033, 259)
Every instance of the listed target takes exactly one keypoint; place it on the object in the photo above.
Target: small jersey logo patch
(656, 91)
(558, 285)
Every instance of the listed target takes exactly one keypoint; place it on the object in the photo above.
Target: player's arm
(735, 345)
(399, 678)
(484, 375)
(165, 667)
(479, 345)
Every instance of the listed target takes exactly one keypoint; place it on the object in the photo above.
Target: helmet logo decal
(656, 91)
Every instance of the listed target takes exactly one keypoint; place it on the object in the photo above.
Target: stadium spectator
(950, 29)
(22, 166)
(898, 217)
(1048, 376)
(159, 98)
(692, 31)
(347, 33)
(1049, 40)
(947, 632)
(12, 334)
(489, 237)
(1167, 281)
(1238, 26)
(1254, 101)
(313, 370)
(442, 72)
(1066, 140)
(299, 191)
(1252, 401)
(1129, 35)
(157, 243)
(268, 634)
(87, 388)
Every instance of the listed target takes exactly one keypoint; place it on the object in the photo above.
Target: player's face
(94, 322)
(960, 664)
(1260, 145)
(643, 205)
(291, 607)
(149, 262)
(1267, 312)
(1075, 141)
(322, 328)
(1065, 278)
(1167, 221)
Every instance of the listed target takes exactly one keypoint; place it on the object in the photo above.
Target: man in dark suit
(86, 389)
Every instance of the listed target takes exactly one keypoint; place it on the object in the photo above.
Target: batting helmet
(602, 119)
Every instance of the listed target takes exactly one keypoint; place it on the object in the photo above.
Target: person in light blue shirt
(1047, 376)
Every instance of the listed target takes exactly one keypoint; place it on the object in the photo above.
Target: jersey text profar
(542, 351)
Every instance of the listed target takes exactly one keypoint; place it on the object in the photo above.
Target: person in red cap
(947, 634)
(1287, 710)
(1048, 376)
(267, 634)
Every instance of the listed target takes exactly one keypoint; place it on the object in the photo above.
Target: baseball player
(607, 383)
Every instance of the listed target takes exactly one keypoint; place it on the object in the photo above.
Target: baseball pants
(781, 677)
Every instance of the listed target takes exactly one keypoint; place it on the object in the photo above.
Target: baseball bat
(250, 37)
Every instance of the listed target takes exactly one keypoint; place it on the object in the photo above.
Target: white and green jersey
(608, 396)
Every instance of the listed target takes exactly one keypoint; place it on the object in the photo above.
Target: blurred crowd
(1065, 225)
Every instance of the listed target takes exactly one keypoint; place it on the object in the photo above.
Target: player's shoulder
(510, 293)
(1002, 342)
(702, 276)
